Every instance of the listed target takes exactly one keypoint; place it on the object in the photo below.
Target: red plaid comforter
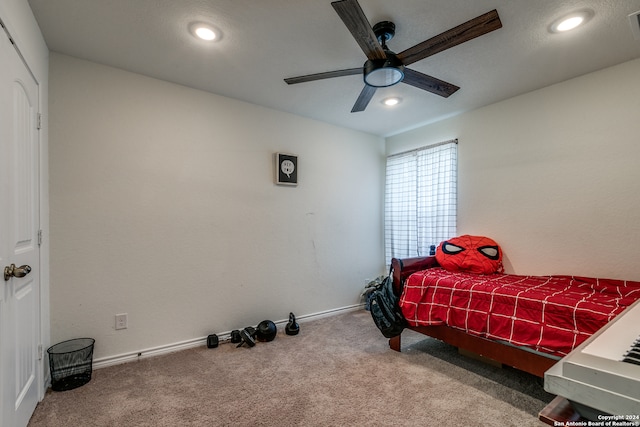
(550, 314)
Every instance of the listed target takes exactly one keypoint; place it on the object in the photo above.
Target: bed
(527, 322)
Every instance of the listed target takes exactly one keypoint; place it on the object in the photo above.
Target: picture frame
(286, 169)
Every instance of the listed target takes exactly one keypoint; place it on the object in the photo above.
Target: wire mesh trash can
(71, 363)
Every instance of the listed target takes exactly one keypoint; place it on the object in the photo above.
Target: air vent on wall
(634, 20)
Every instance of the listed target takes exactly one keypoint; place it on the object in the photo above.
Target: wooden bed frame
(525, 360)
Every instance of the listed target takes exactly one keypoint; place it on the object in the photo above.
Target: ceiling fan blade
(363, 99)
(326, 75)
(354, 18)
(428, 83)
(471, 29)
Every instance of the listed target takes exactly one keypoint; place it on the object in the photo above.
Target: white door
(19, 246)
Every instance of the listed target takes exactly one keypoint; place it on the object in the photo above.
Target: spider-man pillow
(471, 254)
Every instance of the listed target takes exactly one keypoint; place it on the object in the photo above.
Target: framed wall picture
(286, 169)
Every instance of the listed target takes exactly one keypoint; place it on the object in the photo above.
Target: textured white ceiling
(265, 41)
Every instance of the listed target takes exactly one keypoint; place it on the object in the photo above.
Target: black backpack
(385, 310)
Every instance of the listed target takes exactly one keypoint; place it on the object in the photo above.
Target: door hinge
(40, 237)
(39, 351)
(39, 121)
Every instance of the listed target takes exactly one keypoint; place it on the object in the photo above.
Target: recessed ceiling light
(390, 102)
(571, 21)
(567, 24)
(205, 31)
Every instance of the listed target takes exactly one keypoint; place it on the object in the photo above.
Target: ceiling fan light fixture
(571, 21)
(383, 77)
(383, 72)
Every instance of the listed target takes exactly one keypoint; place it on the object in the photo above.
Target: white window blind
(420, 199)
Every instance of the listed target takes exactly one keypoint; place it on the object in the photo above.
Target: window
(420, 199)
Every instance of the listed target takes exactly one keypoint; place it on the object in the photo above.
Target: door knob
(13, 271)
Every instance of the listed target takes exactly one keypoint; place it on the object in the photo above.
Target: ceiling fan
(385, 68)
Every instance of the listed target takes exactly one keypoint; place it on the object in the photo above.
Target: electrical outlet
(121, 321)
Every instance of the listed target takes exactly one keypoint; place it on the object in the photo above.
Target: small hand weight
(235, 336)
(212, 341)
(247, 337)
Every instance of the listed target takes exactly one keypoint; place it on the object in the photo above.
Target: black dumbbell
(247, 336)
(212, 341)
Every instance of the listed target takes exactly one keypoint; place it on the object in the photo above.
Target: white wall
(553, 175)
(163, 206)
(21, 24)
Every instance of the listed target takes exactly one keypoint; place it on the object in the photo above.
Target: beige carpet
(338, 371)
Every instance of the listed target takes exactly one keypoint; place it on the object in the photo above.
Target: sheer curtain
(420, 199)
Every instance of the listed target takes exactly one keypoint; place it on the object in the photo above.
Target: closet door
(19, 246)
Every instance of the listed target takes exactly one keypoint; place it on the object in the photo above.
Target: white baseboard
(103, 362)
